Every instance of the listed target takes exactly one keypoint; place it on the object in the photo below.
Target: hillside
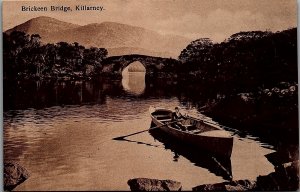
(111, 35)
(44, 26)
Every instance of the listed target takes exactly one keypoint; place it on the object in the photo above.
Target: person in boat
(177, 116)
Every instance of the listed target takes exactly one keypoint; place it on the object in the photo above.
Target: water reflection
(134, 82)
(217, 165)
(30, 94)
(133, 78)
(62, 132)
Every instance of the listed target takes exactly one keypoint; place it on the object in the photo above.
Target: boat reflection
(219, 166)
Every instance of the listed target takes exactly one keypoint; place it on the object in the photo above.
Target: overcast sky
(216, 19)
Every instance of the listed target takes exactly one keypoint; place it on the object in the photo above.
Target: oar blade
(118, 138)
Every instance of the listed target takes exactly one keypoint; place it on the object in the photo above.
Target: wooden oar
(122, 137)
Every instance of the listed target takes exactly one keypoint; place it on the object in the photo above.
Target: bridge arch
(116, 64)
(134, 66)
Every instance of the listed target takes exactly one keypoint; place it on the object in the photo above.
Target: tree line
(25, 56)
(244, 60)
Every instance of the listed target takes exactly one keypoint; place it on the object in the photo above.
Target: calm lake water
(62, 133)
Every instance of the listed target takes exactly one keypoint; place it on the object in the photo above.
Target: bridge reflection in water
(133, 78)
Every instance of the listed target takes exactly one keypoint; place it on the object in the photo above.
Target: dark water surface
(62, 132)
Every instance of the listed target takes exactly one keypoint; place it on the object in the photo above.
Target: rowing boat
(199, 133)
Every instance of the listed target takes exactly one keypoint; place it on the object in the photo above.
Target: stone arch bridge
(153, 65)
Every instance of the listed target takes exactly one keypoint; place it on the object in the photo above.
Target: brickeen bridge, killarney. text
(61, 8)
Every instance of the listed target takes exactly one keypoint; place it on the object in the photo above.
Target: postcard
(150, 95)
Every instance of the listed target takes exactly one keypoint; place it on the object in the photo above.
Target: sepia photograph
(150, 95)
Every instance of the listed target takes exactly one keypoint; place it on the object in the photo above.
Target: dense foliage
(245, 60)
(25, 56)
(254, 79)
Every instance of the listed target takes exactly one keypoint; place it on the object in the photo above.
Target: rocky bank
(285, 178)
(14, 175)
